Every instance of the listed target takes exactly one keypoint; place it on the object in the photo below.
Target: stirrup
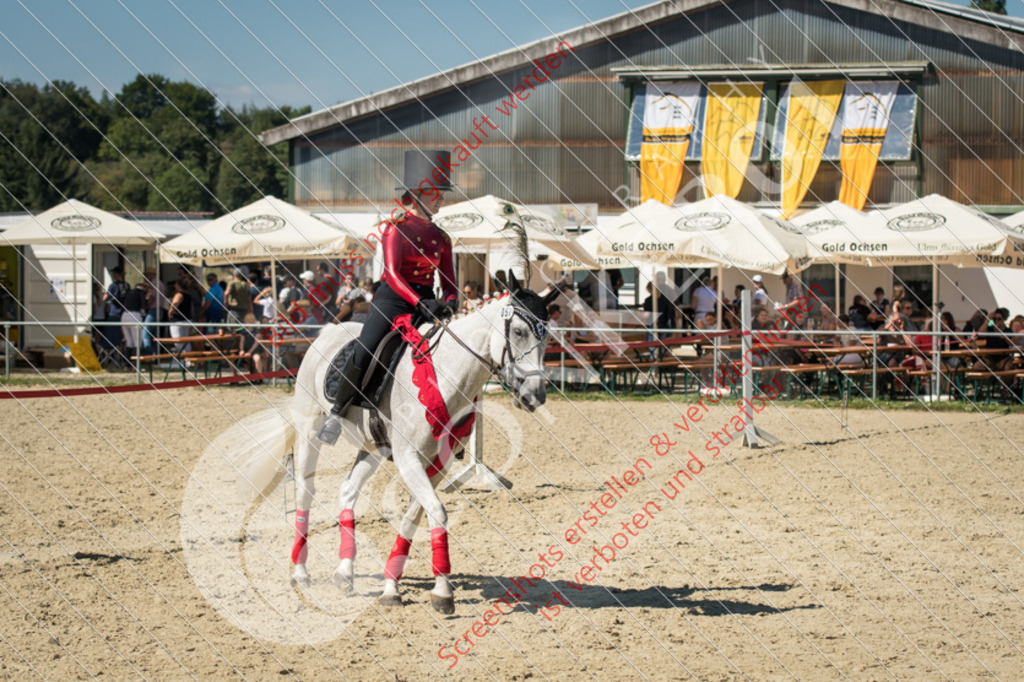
(331, 430)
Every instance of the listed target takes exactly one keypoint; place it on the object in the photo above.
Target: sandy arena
(892, 549)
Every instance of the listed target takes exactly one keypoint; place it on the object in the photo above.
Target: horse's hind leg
(364, 468)
(307, 452)
(399, 554)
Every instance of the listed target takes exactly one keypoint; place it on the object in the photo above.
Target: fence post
(138, 349)
(7, 351)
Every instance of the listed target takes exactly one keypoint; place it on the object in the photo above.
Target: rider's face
(431, 202)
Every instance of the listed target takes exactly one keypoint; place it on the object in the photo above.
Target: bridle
(509, 372)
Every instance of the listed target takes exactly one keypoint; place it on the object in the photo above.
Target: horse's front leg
(410, 465)
(364, 468)
(399, 554)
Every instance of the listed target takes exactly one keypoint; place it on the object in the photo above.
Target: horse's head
(524, 337)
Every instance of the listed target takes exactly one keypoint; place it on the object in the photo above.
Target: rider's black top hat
(426, 169)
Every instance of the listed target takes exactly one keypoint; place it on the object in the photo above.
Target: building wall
(565, 143)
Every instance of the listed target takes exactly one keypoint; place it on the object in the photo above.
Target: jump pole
(752, 435)
(476, 468)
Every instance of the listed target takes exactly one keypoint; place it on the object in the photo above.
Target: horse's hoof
(343, 582)
(445, 605)
(390, 600)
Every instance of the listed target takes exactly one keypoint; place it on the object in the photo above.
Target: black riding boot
(348, 390)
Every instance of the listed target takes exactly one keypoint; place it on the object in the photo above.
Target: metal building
(566, 142)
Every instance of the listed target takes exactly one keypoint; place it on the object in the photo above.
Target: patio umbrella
(486, 221)
(266, 229)
(75, 222)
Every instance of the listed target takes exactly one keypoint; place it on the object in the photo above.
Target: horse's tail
(255, 447)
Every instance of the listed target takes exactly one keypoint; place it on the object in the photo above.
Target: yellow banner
(668, 124)
(812, 111)
(730, 125)
(865, 122)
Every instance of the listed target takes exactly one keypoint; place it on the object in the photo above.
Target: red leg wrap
(299, 549)
(439, 545)
(396, 562)
(347, 521)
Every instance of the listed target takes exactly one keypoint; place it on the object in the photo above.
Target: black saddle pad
(378, 376)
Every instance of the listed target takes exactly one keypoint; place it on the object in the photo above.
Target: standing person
(330, 305)
(794, 292)
(181, 314)
(134, 310)
(879, 306)
(413, 251)
(249, 348)
(238, 299)
(156, 310)
(213, 303)
(760, 297)
(114, 300)
(704, 300)
(737, 299)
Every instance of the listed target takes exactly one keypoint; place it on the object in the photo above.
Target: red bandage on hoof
(396, 562)
(347, 522)
(439, 545)
(299, 549)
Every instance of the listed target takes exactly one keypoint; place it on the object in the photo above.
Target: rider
(414, 248)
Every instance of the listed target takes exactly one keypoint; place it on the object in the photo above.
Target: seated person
(995, 337)
(858, 313)
(585, 336)
(849, 359)
(897, 336)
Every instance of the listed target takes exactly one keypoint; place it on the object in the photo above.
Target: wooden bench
(987, 382)
(223, 347)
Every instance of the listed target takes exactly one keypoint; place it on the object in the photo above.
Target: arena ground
(892, 548)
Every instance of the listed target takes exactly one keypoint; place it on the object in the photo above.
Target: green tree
(161, 151)
(248, 169)
(994, 6)
(46, 134)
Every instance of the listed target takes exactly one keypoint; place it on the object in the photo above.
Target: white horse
(506, 335)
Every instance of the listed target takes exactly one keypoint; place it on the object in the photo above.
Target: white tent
(484, 223)
(266, 229)
(75, 222)
(719, 230)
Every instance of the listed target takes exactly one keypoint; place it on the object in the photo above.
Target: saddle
(378, 375)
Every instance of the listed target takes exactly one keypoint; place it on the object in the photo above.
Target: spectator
(899, 292)
(181, 314)
(369, 289)
(704, 300)
(330, 306)
(897, 336)
(249, 349)
(858, 313)
(794, 292)
(471, 298)
(213, 310)
(134, 311)
(288, 296)
(995, 338)
(306, 300)
(708, 322)
(238, 299)
(976, 323)
(760, 296)
(114, 300)
(1016, 331)
(265, 301)
(582, 336)
(666, 311)
(500, 283)
(156, 309)
(906, 310)
(879, 309)
(849, 359)
(737, 300)
(615, 283)
(555, 324)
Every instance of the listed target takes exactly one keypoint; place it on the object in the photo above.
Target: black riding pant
(387, 305)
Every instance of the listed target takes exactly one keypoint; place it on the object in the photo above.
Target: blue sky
(294, 52)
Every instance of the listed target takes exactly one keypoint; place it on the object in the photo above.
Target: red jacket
(413, 249)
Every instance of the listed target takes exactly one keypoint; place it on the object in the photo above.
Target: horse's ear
(513, 283)
(551, 296)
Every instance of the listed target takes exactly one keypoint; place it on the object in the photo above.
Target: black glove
(432, 309)
(452, 306)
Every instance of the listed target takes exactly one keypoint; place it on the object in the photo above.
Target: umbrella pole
(74, 286)
(273, 292)
(839, 300)
(936, 337)
(721, 320)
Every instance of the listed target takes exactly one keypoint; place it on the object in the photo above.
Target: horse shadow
(700, 601)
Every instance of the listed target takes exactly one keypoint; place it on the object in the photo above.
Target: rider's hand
(453, 307)
(432, 309)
